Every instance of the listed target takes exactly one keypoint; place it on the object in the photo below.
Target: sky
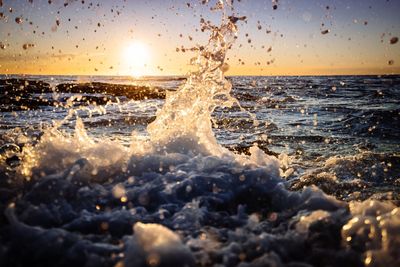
(134, 37)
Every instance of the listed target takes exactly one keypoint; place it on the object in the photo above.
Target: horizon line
(186, 75)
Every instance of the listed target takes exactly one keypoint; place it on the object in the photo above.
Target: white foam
(156, 245)
(56, 153)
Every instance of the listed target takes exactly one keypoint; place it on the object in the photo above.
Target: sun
(137, 57)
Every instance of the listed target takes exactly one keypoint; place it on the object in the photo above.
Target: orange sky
(93, 40)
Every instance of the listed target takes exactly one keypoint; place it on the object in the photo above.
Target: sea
(79, 185)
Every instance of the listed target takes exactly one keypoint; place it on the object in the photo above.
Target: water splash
(184, 122)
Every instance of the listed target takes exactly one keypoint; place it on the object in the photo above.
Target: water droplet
(394, 40)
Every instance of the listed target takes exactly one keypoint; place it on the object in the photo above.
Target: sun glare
(136, 57)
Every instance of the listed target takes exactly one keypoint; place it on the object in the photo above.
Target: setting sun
(136, 58)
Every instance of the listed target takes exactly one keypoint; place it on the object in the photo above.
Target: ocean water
(338, 135)
(309, 119)
(200, 171)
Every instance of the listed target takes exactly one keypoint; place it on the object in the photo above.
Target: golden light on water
(136, 58)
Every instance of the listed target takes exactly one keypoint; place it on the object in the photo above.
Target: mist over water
(265, 172)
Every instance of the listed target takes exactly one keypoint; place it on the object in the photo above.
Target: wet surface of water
(82, 193)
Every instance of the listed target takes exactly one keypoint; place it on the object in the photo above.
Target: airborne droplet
(394, 40)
